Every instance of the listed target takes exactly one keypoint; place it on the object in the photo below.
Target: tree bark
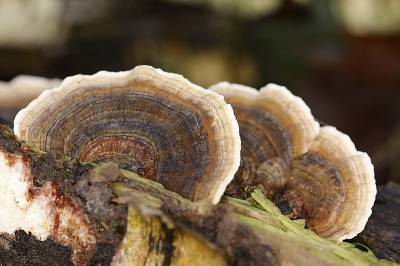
(382, 232)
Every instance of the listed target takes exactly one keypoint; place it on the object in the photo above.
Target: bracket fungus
(21, 90)
(168, 130)
(332, 186)
(157, 124)
(273, 124)
(309, 172)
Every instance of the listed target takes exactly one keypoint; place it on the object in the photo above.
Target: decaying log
(43, 194)
(153, 240)
(78, 191)
(217, 224)
(177, 230)
(382, 232)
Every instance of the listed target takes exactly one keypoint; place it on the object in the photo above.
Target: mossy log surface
(233, 232)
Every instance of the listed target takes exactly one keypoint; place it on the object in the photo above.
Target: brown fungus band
(333, 185)
(311, 173)
(156, 124)
(274, 125)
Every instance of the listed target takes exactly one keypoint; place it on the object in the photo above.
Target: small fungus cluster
(308, 171)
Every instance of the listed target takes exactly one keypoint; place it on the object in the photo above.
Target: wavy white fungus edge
(345, 150)
(23, 89)
(346, 155)
(118, 78)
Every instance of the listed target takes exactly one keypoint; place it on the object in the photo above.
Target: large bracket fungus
(311, 173)
(156, 124)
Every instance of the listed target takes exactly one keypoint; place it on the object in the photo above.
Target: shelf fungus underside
(156, 124)
(309, 172)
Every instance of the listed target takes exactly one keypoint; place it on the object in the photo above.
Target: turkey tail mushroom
(274, 125)
(21, 90)
(333, 186)
(311, 173)
(156, 124)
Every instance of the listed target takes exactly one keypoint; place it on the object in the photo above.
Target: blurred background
(341, 56)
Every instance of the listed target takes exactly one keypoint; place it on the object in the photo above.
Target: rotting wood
(241, 238)
(382, 232)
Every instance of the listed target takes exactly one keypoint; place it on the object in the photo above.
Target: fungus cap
(273, 124)
(332, 186)
(23, 89)
(291, 112)
(309, 172)
(157, 124)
